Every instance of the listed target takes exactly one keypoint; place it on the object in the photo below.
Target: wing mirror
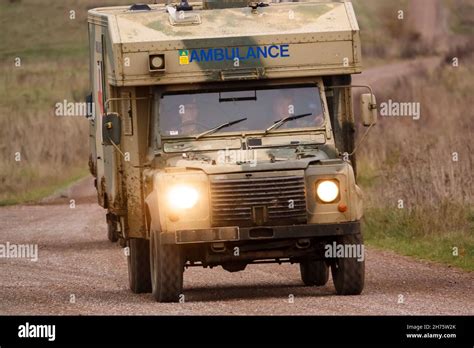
(368, 107)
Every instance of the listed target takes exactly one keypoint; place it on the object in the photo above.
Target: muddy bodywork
(279, 45)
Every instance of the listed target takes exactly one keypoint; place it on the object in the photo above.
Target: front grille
(241, 201)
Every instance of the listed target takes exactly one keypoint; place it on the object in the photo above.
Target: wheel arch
(152, 213)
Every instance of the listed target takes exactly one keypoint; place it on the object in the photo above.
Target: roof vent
(184, 6)
(140, 7)
(182, 17)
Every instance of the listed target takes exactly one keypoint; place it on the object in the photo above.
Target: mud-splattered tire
(139, 266)
(348, 274)
(167, 267)
(314, 272)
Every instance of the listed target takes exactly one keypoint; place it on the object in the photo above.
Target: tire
(112, 232)
(139, 266)
(314, 272)
(167, 267)
(348, 274)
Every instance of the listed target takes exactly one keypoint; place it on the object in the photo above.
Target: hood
(213, 163)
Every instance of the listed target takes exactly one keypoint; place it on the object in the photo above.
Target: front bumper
(235, 234)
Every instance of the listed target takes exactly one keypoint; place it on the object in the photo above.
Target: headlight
(182, 197)
(327, 191)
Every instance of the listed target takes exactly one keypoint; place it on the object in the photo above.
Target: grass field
(410, 233)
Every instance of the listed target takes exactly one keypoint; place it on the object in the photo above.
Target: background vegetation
(53, 49)
(415, 160)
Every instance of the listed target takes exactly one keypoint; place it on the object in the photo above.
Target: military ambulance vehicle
(223, 135)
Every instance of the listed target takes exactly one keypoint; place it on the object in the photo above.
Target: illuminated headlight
(182, 197)
(327, 191)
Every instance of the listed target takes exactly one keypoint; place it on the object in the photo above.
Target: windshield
(187, 114)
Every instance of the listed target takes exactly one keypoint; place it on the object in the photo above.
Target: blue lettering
(273, 47)
(228, 53)
(218, 54)
(262, 52)
(284, 51)
(194, 56)
(251, 53)
(238, 54)
(231, 56)
(206, 57)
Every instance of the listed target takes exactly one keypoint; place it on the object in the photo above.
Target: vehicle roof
(276, 19)
(309, 38)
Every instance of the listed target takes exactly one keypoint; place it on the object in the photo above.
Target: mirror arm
(361, 139)
(106, 105)
(352, 86)
(117, 148)
(372, 105)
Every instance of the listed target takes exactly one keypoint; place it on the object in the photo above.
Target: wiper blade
(215, 129)
(279, 123)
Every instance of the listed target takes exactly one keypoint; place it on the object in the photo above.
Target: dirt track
(75, 258)
(386, 75)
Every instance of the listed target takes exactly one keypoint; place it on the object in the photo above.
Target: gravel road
(75, 258)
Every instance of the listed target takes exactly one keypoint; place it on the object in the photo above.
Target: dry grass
(51, 148)
(412, 160)
(416, 156)
(54, 67)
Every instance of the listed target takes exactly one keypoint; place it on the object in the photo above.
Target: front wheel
(348, 273)
(139, 265)
(167, 267)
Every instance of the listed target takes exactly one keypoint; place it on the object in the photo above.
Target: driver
(287, 105)
(283, 106)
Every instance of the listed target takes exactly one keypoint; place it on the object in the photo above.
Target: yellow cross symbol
(183, 57)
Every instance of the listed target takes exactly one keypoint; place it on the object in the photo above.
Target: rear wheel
(314, 272)
(167, 267)
(139, 265)
(348, 273)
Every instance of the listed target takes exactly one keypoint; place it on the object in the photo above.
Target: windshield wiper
(215, 129)
(279, 123)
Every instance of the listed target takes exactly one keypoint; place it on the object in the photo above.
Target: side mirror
(368, 108)
(111, 129)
